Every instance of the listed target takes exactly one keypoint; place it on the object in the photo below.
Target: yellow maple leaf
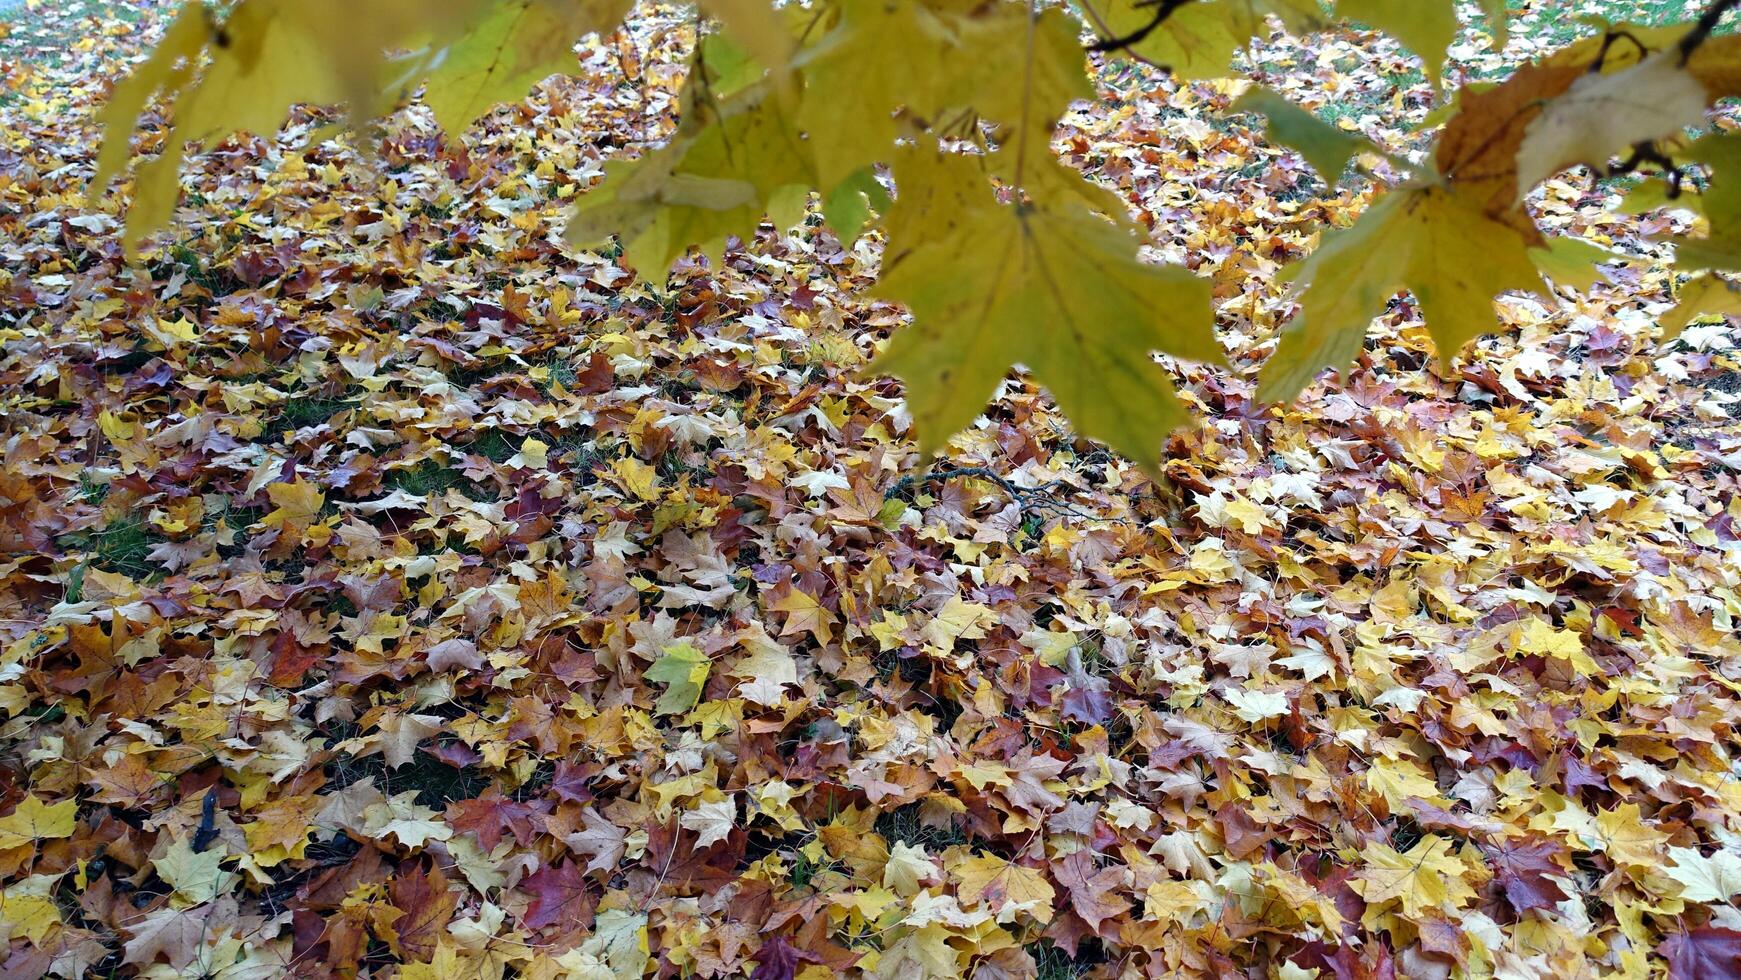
(534, 454)
(116, 428)
(887, 631)
(280, 834)
(34, 820)
(805, 614)
(28, 910)
(1539, 638)
(297, 505)
(983, 774)
(958, 620)
(637, 478)
(1627, 839)
(1003, 887)
(1429, 877)
(1399, 781)
(173, 332)
(1168, 901)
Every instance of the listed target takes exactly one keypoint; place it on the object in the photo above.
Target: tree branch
(1101, 27)
(1163, 10)
(1706, 24)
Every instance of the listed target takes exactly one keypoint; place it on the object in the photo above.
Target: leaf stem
(1027, 90)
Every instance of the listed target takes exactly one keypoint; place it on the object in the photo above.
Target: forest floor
(388, 589)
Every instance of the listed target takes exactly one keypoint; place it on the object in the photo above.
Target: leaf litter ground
(388, 590)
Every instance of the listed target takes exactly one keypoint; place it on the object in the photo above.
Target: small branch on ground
(1042, 499)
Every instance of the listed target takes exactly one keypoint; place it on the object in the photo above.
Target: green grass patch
(427, 477)
(300, 412)
(903, 826)
(1055, 964)
(494, 445)
(122, 546)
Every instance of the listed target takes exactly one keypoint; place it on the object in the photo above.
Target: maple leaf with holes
(559, 894)
(1522, 865)
(599, 839)
(1707, 953)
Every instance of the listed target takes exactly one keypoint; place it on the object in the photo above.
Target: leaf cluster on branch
(1005, 255)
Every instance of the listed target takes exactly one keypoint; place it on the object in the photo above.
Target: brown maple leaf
(1094, 894)
(487, 816)
(598, 839)
(427, 904)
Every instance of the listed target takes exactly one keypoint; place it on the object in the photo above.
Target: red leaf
(1087, 700)
(779, 959)
(1243, 835)
(490, 814)
(1521, 865)
(572, 781)
(1707, 953)
(291, 660)
(1346, 963)
(687, 869)
(559, 894)
(598, 377)
(1067, 931)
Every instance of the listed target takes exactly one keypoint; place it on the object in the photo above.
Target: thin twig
(1042, 499)
(1608, 40)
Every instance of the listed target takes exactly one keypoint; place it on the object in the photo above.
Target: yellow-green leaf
(684, 670)
(195, 875)
(1602, 115)
(1427, 239)
(1325, 147)
(1427, 27)
(1573, 261)
(757, 27)
(1055, 289)
(1704, 296)
(515, 45)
